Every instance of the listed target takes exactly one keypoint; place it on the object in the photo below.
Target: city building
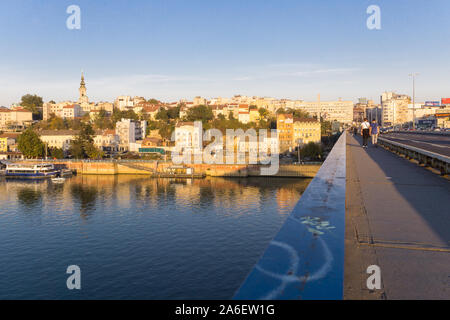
(124, 103)
(254, 115)
(339, 110)
(60, 139)
(394, 108)
(199, 101)
(244, 116)
(16, 117)
(129, 131)
(107, 141)
(65, 110)
(285, 126)
(188, 137)
(306, 130)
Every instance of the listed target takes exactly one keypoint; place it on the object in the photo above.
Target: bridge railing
(425, 157)
(305, 260)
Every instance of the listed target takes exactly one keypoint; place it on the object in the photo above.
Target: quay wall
(214, 170)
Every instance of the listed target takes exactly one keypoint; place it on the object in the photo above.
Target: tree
(30, 144)
(325, 127)
(162, 115)
(298, 113)
(174, 113)
(312, 151)
(200, 113)
(165, 130)
(56, 153)
(153, 101)
(83, 146)
(32, 102)
(263, 112)
(103, 121)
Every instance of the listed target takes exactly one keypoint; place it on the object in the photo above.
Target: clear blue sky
(171, 49)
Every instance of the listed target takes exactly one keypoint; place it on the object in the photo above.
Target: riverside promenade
(398, 218)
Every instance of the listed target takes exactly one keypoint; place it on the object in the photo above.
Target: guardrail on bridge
(305, 260)
(427, 158)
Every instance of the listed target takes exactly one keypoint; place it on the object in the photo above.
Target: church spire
(82, 84)
(83, 97)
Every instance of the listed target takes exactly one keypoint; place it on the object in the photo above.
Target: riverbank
(153, 168)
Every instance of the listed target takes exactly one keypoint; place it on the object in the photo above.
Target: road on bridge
(435, 143)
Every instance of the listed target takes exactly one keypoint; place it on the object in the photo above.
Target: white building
(129, 131)
(188, 137)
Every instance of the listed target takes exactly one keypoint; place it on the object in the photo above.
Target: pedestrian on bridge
(374, 131)
(365, 132)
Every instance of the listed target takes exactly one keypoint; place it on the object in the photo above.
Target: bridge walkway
(397, 217)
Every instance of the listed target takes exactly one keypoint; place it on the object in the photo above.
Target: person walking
(365, 132)
(374, 131)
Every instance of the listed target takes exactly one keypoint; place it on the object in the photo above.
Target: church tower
(83, 97)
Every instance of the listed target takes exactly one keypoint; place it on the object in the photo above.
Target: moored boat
(30, 171)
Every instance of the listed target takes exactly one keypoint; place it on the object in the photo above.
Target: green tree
(162, 115)
(83, 145)
(312, 151)
(32, 102)
(174, 113)
(325, 127)
(298, 113)
(56, 153)
(200, 113)
(103, 121)
(165, 130)
(30, 144)
(263, 112)
(153, 101)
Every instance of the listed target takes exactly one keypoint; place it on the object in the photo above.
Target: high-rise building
(394, 108)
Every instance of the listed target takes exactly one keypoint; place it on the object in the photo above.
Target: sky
(173, 49)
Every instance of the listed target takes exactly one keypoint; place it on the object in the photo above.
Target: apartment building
(394, 108)
(65, 110)
(107, 140)
(306, 130)
(17, 116)
(285, 126)
(61, 139)
(341, 111)
(244, 116)
(188, 137)
(129, 131)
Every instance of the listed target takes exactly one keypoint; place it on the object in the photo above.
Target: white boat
(30, 171)
(58, 180)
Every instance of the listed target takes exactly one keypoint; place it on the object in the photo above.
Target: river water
(137, 238)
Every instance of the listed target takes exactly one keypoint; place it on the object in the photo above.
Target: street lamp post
(413, 75)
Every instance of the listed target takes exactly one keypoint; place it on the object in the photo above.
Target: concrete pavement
(397, 217)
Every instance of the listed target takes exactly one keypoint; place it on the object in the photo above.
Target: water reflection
(145, 238)
(86, 196)
(29, 197)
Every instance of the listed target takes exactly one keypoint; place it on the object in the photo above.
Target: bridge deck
(435, 143)
(397, 217)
